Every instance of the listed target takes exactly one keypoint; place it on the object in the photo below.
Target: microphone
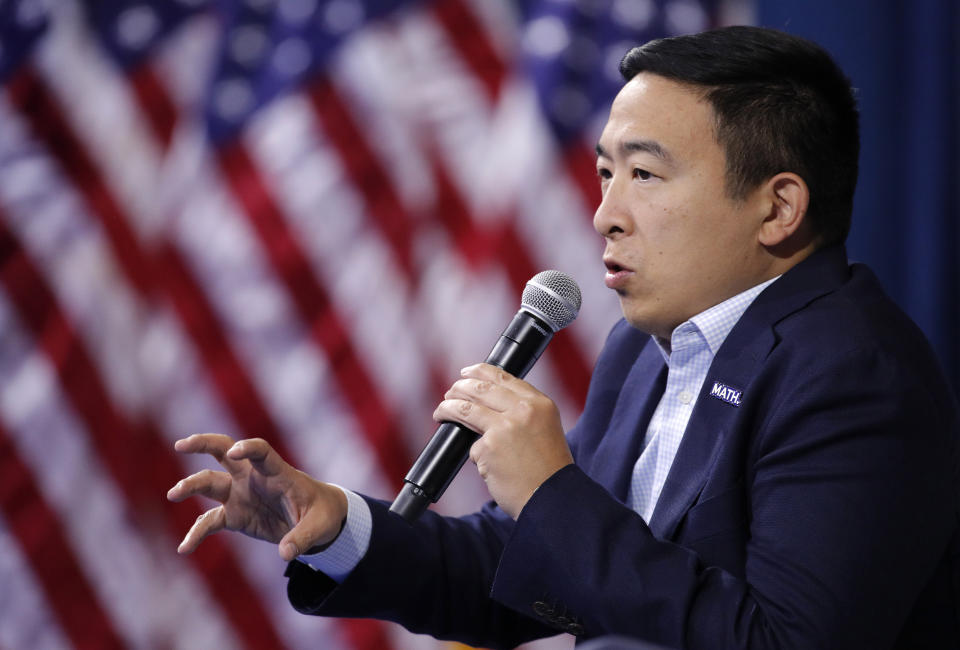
(550, 302)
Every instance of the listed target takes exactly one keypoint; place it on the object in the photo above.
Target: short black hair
(781, 104)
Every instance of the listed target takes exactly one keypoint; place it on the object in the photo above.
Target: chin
(637, 322)
(645, 323)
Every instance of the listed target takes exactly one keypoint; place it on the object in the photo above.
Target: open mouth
(617, 274)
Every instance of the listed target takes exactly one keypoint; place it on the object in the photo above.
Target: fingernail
(291, 549)
(463, 371)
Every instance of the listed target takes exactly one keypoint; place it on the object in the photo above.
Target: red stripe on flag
(316, 309)
(325, 327)
(582, 166)
(469, 38)
(214, 558)
(371, 180)
(155, 102)
(36, 527)
(228, 374)
(54, 334)
(506, 247)
(139, 461)
(570, 366)
(234, 386)
(35, 102)
(475, 245)
(366, 173)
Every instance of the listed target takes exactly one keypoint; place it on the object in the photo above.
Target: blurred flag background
(296, 220)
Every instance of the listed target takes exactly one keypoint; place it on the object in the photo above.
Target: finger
(210, 522)
(207, 483)
(215, 444)
(477, 451)
(476, 417)
(488, 372)
(482, 391)
(500, 378)
(260, 454)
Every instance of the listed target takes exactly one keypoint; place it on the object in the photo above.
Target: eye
(604, 173)
(642, 174)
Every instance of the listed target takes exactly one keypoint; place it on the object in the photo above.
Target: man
(768, 453)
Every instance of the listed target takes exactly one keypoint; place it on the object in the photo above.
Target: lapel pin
(726, 394)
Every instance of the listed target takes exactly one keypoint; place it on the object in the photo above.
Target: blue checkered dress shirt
(693, 345)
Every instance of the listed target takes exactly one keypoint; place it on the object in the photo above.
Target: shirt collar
(715, 323)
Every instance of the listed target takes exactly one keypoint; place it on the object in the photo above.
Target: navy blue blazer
(816, 509)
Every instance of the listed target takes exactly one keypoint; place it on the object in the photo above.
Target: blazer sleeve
(432, 577)
(851, 502)
(435, 576)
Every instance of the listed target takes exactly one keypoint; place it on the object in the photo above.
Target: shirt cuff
(346, 551)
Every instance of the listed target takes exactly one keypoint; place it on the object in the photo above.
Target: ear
(789, 198)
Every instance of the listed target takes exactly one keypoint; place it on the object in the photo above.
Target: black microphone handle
(519, 347)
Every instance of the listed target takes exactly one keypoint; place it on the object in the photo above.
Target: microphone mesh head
(552, 296)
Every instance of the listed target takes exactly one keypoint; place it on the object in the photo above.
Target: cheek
(701, 223)
(683, 248)
(680, 228)
(668, 232)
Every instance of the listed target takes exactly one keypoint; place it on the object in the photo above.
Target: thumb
(320, 525)
(304, 538)
(295, 542)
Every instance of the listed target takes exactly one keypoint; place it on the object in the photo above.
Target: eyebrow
(642, 146)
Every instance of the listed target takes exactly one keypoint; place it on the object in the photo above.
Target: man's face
(676, 244)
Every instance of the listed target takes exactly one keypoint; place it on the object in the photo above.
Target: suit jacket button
(542, 609)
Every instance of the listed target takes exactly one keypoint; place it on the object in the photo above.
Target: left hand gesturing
(521, 439)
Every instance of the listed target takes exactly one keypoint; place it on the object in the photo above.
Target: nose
(612, 219)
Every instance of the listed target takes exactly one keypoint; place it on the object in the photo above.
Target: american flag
(289, 219)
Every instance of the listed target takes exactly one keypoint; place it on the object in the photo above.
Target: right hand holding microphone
(260, 495)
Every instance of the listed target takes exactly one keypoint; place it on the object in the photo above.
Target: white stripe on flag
(126, 569)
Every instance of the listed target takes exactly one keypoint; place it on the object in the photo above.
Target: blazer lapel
(613, 461)
(710, 423)
(735, 365)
